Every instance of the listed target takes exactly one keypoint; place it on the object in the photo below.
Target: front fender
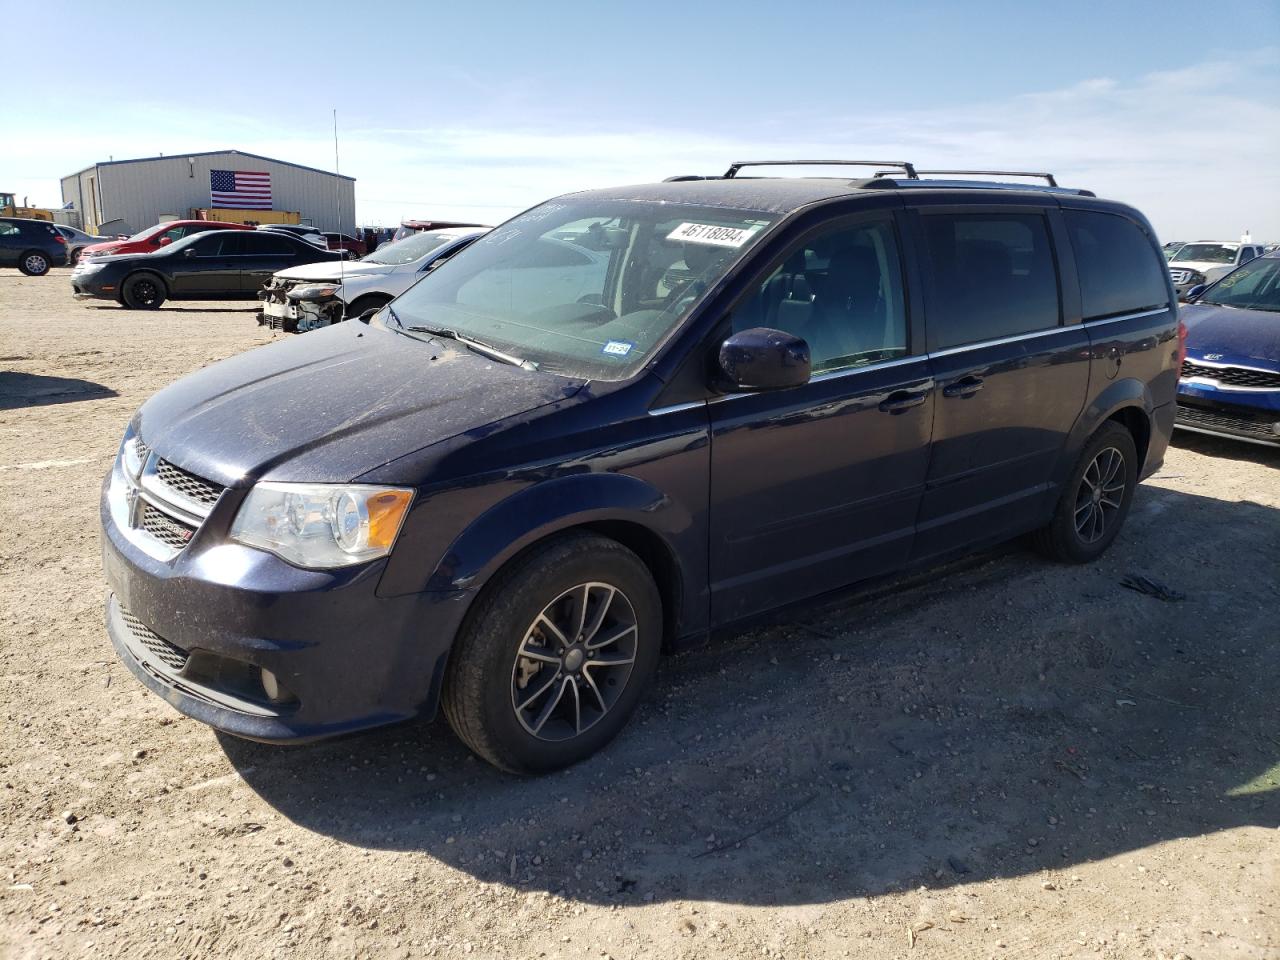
(540, 510)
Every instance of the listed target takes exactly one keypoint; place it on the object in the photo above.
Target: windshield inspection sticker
(709, 233)
(617, 348)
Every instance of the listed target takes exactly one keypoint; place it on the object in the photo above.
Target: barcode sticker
(711, 234)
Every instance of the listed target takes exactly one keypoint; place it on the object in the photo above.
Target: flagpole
(337, 193)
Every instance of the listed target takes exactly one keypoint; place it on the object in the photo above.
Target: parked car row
(1202, 262)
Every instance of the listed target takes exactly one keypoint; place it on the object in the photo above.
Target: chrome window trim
(998, 341)
(676, 407)
(1129, 316)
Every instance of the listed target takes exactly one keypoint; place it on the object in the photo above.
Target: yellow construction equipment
(9, 208)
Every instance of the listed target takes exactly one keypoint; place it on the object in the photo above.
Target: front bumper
(94, 286)
(200, 627)
(1221, 413)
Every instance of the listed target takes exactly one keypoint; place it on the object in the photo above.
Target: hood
(1237, 334)
(1200, 265)
(101, 247)
(334, 404)
(328, 270)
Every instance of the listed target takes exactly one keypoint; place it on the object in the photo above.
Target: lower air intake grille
(1226, 421)
(175, 658)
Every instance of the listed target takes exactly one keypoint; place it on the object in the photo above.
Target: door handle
(903, 400)
(963, 388)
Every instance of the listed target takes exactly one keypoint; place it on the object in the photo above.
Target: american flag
(240, 189)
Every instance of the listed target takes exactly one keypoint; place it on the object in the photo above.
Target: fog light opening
(271, 687)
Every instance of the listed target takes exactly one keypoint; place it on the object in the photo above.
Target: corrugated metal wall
(141, 192)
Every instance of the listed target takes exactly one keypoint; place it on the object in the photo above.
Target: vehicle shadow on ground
(1226, 448)
(171, 309)
(35, 390)
(1005, 717)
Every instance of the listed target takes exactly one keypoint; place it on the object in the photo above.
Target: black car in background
(621, 421)
(33, 246)
(215, 265)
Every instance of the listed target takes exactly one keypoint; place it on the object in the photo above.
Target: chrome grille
(188, 485)
(140, 449)
(175, 658)
(165, 528)
(1233, 376)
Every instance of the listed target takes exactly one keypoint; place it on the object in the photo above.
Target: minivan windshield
(587, 288)
(409, 249)
(1255, 286)
(1205, 253)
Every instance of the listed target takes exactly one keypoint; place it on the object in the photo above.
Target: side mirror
(369, 314)
(189, 252)
(1194, 293)
(165, 241)
(764, 359)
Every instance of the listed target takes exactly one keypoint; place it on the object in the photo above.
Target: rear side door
(262, 254)
(1010, 361)
(208, 268)
(817, 487)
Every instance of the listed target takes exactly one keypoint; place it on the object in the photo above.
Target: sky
(476, 110)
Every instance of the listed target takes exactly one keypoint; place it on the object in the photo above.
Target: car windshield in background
(1205, 253)
(407, 250)
(587, 288)
(1252, 287)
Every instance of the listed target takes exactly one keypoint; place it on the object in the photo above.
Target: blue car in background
(1230, 382)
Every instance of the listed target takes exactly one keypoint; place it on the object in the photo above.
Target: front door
(1011, 376)
(816, 487)
(208, 268)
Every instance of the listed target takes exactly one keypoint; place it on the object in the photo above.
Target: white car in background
(317, 294)
(1207, 261)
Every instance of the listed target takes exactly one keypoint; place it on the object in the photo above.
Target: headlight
(321, 525)
(314, 291)
(89, 266)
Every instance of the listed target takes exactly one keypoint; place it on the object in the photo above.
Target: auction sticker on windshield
(711, 234)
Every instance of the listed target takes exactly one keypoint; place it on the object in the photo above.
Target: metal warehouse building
(131, 195)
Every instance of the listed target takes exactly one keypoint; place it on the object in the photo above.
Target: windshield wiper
(391, 312)
(479, 346)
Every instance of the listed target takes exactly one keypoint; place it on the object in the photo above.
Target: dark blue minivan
(622, 420)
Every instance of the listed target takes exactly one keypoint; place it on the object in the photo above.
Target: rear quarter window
(1118, 267)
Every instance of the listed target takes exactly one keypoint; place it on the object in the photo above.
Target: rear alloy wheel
(142, 291)
(33, 263)
(1096, 499)
(555, 655)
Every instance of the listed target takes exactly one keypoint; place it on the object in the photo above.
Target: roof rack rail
(908, 168)
(973, 173)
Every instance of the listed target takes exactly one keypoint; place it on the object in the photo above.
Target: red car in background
(161, 235)
(342, 241)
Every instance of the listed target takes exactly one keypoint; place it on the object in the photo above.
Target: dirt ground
(1000, 758)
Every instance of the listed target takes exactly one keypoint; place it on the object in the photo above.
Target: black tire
(142, 291)
(486, 673)
(1083, 523)
(74, 257)
(34, 263)
(370, 301)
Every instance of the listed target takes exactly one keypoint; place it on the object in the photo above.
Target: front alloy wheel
(555, 654)
(574, 661)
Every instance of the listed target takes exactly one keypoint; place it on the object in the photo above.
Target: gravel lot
(1000, 758)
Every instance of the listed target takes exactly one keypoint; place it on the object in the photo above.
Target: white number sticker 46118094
(709, 233)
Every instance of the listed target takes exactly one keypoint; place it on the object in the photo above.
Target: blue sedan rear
(1230, 382)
